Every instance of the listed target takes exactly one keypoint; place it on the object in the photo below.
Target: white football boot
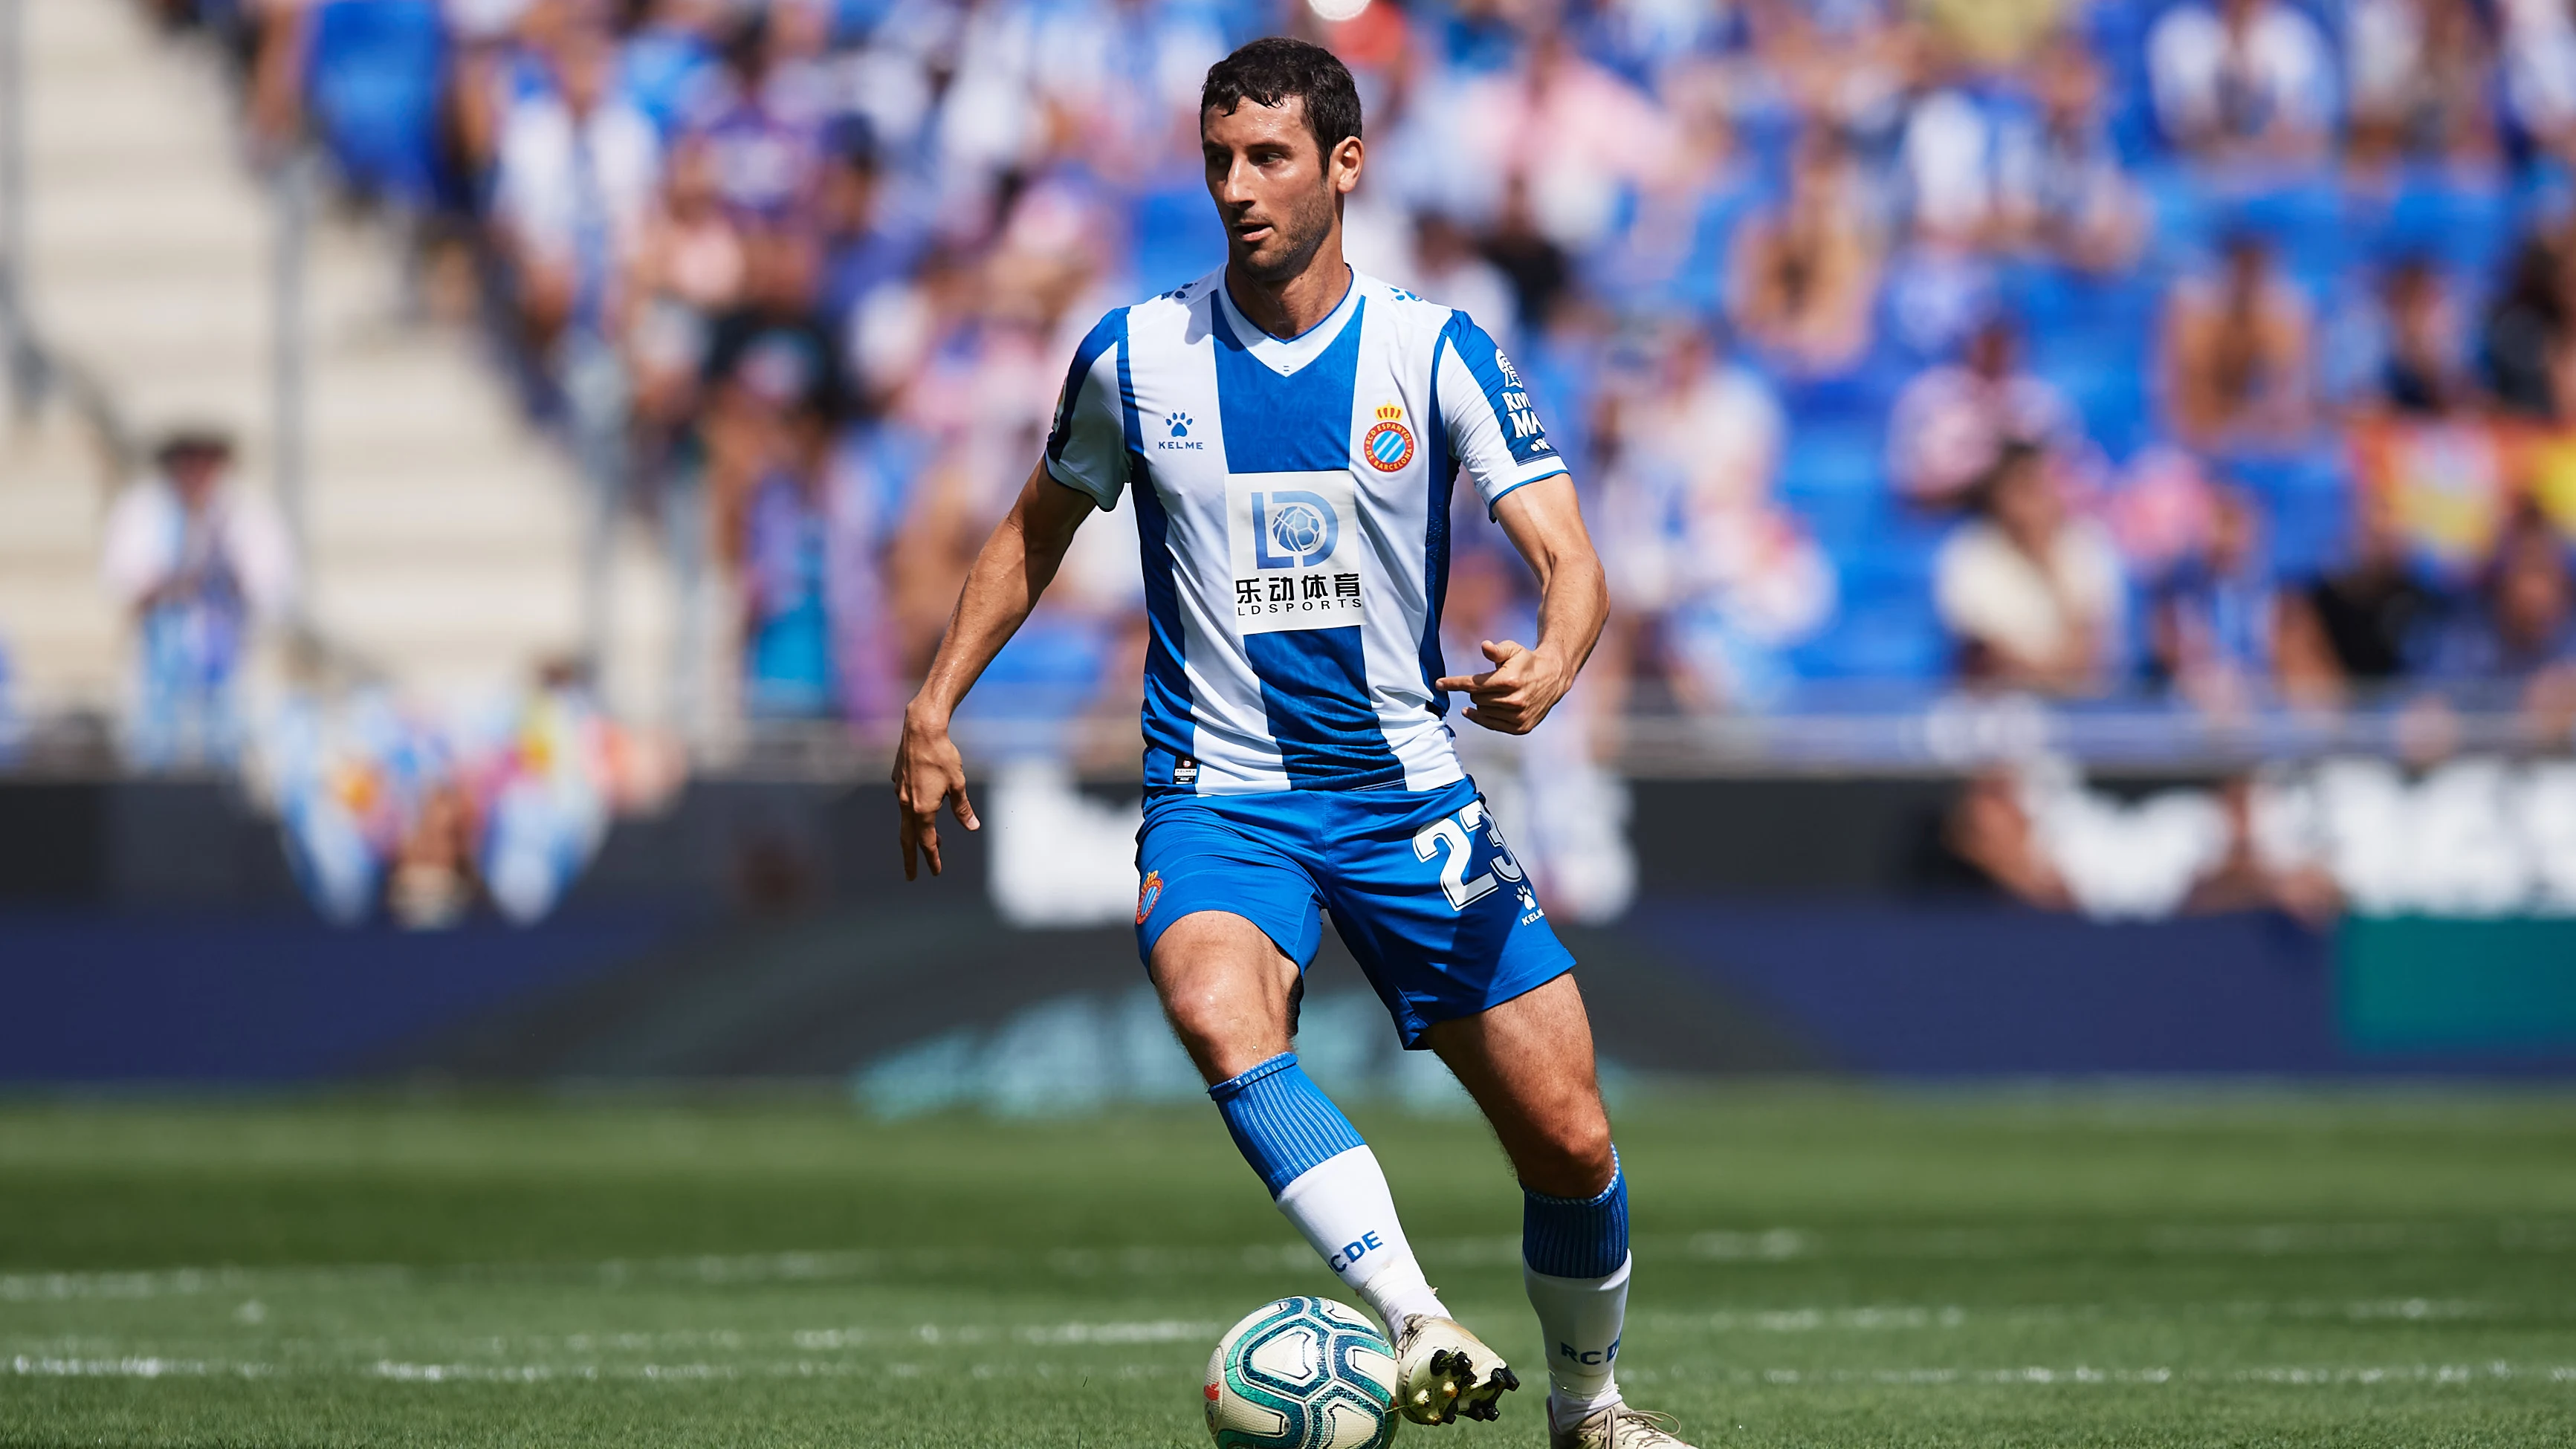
(1443, 1371)
(1613, 1426)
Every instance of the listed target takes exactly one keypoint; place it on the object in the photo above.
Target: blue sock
(1282, 1122)
(1574, 1255)
(1567, 1237)
(1327, 1182)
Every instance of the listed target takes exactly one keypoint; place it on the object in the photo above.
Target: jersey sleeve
(1494, 430)
(1088, 445)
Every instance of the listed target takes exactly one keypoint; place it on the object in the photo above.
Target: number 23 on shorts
(1448, 838)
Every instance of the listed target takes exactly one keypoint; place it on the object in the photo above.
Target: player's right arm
(1085, 467)
(1495, 434)
(1012, 570)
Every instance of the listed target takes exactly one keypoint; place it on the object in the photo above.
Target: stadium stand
(444, 534)
(834, 325)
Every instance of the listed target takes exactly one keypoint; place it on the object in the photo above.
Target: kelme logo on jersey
(1286, 534)
(1177, 427)
(1389, 444)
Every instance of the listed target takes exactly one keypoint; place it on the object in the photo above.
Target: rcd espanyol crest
(1389, 445)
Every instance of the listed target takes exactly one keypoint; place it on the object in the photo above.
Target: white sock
(1581, 1318)
(1342, 1207)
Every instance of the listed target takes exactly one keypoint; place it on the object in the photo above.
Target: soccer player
(1292, 431)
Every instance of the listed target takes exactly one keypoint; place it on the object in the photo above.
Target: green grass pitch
(1815, 1267)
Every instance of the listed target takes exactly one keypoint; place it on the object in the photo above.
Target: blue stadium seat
(2097, 345)
(1839, 521)
(2276, 475)
(1700, 284)
(1882, 638)
(1849, 403)
(2309, 537)
(2307, 500)
(2185, 219)
(373, 78)
(2310, 224)
(1884, 570)
(2117, 33)
(1049, 670)
(1826, 459)
(1174, 242)
(2464, 226)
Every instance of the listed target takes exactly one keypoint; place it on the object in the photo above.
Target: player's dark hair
(1268, 71)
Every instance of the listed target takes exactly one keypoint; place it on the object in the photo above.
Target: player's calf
(1327, 1182)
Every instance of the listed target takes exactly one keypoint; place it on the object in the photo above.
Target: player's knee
(1229, 996)
(1220, 1030)
(1573, 1157)
(1200, 1014)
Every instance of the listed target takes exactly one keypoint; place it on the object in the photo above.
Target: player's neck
(1289, 308)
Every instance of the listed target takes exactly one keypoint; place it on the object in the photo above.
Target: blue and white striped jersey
(1293, 498)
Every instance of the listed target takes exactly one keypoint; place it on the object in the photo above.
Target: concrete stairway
(62, 639)
(444, 536)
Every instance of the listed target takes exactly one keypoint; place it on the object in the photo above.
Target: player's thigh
(1428, 896)
(1225, 922)
(1528, 1063)
(1425, 890)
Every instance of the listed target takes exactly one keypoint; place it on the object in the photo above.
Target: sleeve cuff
(1554, 470)
(1080, 485)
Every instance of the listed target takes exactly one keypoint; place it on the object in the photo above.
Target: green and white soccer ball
(1302, 1373)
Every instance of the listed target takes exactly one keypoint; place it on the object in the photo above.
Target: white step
(61, 632)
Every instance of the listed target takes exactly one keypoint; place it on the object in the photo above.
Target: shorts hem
(1150, 935)
(1417, 1023)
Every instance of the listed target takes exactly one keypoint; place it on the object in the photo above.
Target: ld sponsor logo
(1292, 527)
(1296, 561)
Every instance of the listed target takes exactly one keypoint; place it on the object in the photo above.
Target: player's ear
(1346, 164)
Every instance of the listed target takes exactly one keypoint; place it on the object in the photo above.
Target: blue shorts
(1421, 887)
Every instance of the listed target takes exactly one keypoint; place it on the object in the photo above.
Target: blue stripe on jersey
(1110, 331)
(1314, 687)
(1504, 391)
(1314, 682)
(1276, 424)
(1441, 471)
(1166, 718)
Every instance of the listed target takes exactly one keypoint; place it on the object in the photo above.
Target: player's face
(1275, 190)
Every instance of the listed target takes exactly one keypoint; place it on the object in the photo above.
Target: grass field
(1814, 1268)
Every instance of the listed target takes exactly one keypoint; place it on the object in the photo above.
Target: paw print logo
(1180, 424)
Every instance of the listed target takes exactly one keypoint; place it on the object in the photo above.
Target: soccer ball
(1302, 1373)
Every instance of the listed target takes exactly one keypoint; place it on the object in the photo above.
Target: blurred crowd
(2213, 351)
(426, 817)
(416, 812)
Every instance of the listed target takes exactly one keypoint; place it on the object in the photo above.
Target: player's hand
(928, 773)
(1513, 696)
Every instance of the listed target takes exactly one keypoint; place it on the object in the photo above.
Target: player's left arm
(1545, 522)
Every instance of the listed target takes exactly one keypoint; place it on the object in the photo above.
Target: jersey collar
(1284, 355)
